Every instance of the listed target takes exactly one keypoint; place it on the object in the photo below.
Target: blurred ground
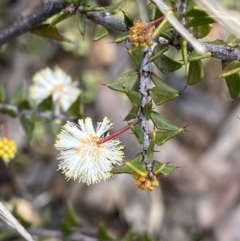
(199, 201)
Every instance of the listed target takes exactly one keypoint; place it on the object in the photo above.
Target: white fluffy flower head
(56, 82)
(82, 157)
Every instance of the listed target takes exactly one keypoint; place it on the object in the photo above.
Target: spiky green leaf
(166, 65)
(233, 84)
(161, 95)
(126, 80)
(138, 132)
(76, 109)
(195, 72)
(136, 55)
(99, 32)
(103, 234)
(28, 126)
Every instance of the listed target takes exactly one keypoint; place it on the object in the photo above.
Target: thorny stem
(5, 125)
(143, 89)
(117, 133)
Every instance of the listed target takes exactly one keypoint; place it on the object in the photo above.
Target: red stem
(156, 21)
(117, 133)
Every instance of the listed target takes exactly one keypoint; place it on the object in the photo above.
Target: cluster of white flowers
(82, 157)
(56, 83)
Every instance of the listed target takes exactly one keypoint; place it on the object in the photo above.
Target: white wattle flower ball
(59, 84)
(82, 157)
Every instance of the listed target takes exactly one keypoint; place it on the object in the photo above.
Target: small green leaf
(231, 68)
(85, 2)
(70, 222)
(24, 105)
(115, 8)
(137, 165)
(128, 19)
(46, 104)
(127, 80)
(151, 11)
(122, 169)
(161, 123)
(19, 94)
(28, 126)
(10, 111)
(132, 114)
(138, 132)
(166, 130)
(202, 31)
(99, 32)
(217, 42)
(195, 72)
(166, 65)
(136, 55)
(130, 235)
(45, 30)
(233, 41)
(76, 109)
(195, 56)
(2, 94)
(103, 235)
(158, 50)
(121, 37)
(150, 149)
(173, 3)
(147, 110)
(82, 24)
(128, 168)
(161, 95)
(134, 96)
(168, 34)
(163, 136)
(200, 21)
(59, 18)
(196, 12)
(163, 169)
(163, 26)
(159, 83)
(233, 84)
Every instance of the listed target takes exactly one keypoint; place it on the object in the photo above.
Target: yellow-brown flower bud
(140, 35)
(144, 183)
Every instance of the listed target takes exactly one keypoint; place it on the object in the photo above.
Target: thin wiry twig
(30, 21)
